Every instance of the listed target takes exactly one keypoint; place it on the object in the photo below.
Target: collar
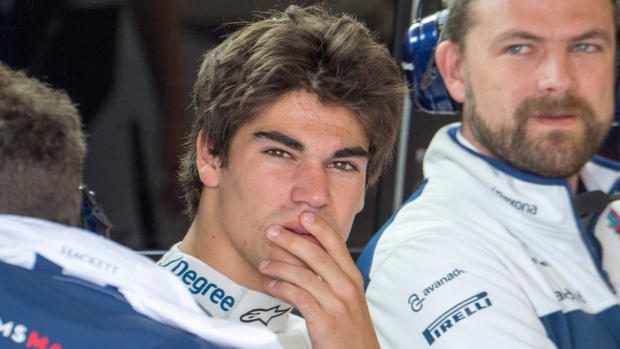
(150, 290)
(222, 297)
(508, 193)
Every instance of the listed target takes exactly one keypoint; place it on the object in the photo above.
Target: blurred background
(130, 66)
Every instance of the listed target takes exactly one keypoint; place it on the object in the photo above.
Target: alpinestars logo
(263, 315)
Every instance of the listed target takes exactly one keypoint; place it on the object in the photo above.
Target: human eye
(278, 153)
(585, 47)
(518, 49)
(343, 166)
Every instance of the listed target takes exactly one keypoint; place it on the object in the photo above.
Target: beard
(552, 154)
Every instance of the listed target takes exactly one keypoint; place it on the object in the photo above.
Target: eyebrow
(352, 152)
(279, 137)
(510, 35)
(595, 33)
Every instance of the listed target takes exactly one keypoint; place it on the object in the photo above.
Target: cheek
(602, 101)
(347, 210)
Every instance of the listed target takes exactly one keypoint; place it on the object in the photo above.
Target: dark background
(130, 66)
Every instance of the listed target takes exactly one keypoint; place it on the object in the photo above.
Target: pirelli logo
(459, 312)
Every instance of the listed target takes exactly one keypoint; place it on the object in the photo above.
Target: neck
(211, 246)
(573, 183)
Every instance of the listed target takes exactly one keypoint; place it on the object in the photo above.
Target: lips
(556, 120)
(556, 116)
(302, 233)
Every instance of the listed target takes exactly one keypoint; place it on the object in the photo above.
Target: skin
(279, 213)
(524, 49)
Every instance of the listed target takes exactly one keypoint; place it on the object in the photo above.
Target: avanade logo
(414, 300)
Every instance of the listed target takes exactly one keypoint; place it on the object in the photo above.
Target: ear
(449, 62)
(208, 165)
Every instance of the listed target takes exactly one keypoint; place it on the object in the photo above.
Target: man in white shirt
(296, 115)
(65, 287)
(489, 252)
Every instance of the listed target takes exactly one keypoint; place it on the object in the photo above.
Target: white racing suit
(224, 299)
(63, 288)
(486, 256)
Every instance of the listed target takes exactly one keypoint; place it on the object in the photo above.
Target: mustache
(548, 105)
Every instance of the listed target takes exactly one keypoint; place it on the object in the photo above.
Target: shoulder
(439, 222)
(71, 312)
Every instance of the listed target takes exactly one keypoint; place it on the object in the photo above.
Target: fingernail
(264, 264)
(273, 283)
(273, 231)
(308, 217)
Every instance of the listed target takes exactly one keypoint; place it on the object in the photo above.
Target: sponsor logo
(568, 295)
(542, 263)
(94, 262)
(407, 66)
(414, 300)
(521, 206)
(454, 315)
(18, 333)
(614, 220)
(199, 285)
(263, 315)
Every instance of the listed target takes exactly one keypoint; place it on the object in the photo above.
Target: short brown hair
(302, 49)
(460, 20)
(42, 150)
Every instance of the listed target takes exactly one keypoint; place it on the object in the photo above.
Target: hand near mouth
(334, 305)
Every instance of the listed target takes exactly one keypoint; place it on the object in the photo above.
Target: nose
(556, 74)
(312, 186)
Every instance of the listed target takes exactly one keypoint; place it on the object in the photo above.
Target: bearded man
(490, 251)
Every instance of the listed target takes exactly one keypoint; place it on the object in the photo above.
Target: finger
(299, 287)
(348, 284)
(333, 243)
(321, 307)
(295, 296)
(313, 255)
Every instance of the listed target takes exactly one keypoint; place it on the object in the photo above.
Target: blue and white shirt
(486, 256)
(227, 300)
(63, 288)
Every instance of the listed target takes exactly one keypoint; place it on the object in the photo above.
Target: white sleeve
(444, 292)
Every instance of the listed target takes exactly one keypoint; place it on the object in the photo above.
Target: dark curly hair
(308, 49)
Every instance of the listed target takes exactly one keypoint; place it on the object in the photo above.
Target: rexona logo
(521, 206)
(263, 315)
(457, 313)
(18, 333)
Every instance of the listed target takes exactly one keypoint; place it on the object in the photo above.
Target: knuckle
(349, 291)
(303, 299)
(357, 278)
(319, 256)
(306, 277)
(340, 308)
(337, 243)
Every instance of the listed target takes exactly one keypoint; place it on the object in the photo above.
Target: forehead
(301, 115)
(554, 19)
